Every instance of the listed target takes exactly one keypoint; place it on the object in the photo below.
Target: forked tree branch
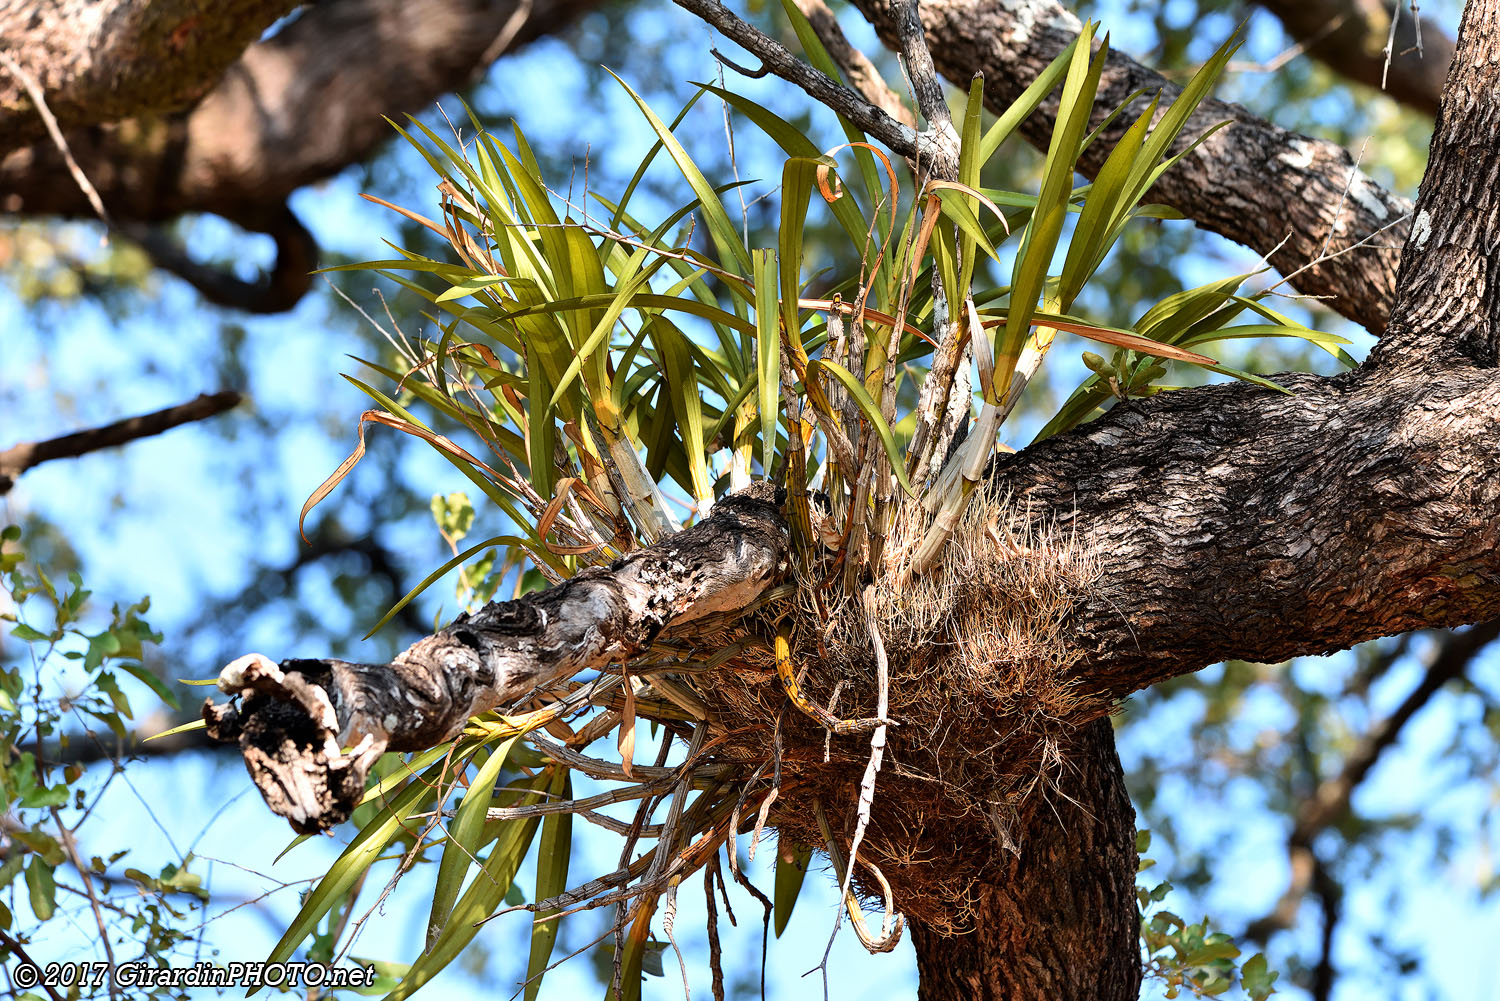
(855, 66)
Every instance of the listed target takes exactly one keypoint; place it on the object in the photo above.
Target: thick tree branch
(1350, 37)
(292, 719)
(1277, 192)
(1234, 523)
(1058, 919)
(1450, 269)
(101, 61)
(294, 109)
(18, 458)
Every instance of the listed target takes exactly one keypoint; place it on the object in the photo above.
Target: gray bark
(1255, 183)
(293, 719)
(100, 61)
(291, 110)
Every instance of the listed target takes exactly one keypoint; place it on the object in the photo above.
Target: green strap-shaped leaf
(767, 351)
(553, 854)
(1092, 237)
(1178, 312)
(816, 54)
(485, 893)
(792, 142)
(1021, 108)
(789, 877)
(727, 241)
(643, 299)
(687, 406)
(432, 578)
(640, 171)
(594, 351)
(969, 168)
(363, 850)
(796, 188)
(1042, 234)
(465, 837)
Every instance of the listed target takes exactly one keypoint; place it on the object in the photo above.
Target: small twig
(742, 71)
(1390, 41)
(576, 952)
(1338, 207)
(19, 458)
(34, 90)
(70, 846)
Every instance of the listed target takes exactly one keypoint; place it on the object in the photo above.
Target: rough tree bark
(100, 62)
(1274, 191)
(291, 110)
(1228, 521)
(481, 661)
(1059, 919)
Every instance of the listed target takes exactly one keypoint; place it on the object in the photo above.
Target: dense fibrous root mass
(981, 693)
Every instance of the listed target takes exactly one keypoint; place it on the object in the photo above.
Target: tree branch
(1277, 192)
(19, 458)
(98, 62)
(1222, 522)
(295, 108)
(1329, 802)
(1355, 46)
(293, 719)
(275, 291)
(901, 139)
(917, 59)
(1450, 269)
(1236, 524)
(856, 67)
